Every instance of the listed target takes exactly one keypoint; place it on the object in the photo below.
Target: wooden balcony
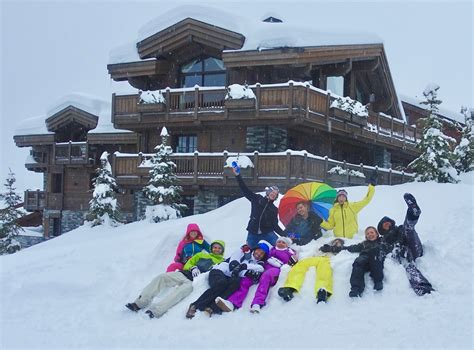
(274, 103)
(284, 169)
(71, 153)
(37, 161)
(34, 200)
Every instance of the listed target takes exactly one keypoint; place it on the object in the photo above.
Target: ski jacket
(203, 261)
(283, 256)
(263, 213)
(302, 231)
(343, 218)
(188, 246)
(369, 247)
(242, 258)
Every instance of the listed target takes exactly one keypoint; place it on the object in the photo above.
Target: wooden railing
(283, 169)
(71, 153)
(296, 98)
(34, 200)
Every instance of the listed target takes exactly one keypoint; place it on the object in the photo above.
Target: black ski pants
(220, 286)
(370, 262)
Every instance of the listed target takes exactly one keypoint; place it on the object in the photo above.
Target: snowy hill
(70, 291)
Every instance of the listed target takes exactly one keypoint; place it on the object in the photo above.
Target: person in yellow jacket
(323, 286)
(343, 215)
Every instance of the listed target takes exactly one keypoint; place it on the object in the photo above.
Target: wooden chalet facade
(193, 63)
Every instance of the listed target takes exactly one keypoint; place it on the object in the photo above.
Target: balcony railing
(34, 200)
(71, 153)
(287, 100)
(284, 169)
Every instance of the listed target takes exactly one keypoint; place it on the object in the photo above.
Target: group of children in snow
(268, 248)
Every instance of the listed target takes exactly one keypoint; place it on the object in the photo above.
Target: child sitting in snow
(278, 256)
(371, 258)
(182, 280)
(224, 279)
(192, 243)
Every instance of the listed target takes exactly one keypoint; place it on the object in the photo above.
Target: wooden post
(414, 134)
(361, 168)
(328, 106)
(344, 166)
(224, 175)
(167, 103)
(290, 98)
(391, 127)
(257, 102)
(305, 165)
(307, 101)
(255, 169)
(378, 123)
(403, 176)
(390, 176)
(69, 152)
(196, 101)
(288, 166)
(325, 176)
(404, 132)
(195, 166)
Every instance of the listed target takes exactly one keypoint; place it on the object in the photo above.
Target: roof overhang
(69, 115)
(33, 140)
(186, 31)
(123, 71)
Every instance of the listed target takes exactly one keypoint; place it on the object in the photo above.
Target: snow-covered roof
(456, 116)
(259, 35)
(88, 103)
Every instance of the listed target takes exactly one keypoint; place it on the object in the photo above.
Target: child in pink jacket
(192, 243)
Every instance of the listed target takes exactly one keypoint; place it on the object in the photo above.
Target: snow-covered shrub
(9, 214)
(464, 151)
(103, 208)
(239, 92)
(163, 189)
(351, 106)
(147, 97)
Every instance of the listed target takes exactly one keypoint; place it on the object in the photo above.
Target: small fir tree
(464, 151)
(163, 189)
(9, 215)
(435, 161)
(103, 208)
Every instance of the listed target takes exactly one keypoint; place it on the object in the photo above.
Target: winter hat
(337, 242)
(264, 245)
(270, 189)
(287, 240)
(221, 243)
(193, 227)
(341, 192)
(380, 228)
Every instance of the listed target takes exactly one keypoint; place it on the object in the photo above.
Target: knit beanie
(287, 240)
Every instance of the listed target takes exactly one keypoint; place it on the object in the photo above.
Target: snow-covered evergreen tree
(103, 208)
(464, 151)
(9, 214)
(435, 161)
(163, 189)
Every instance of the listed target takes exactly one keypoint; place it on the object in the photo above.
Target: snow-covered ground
(70, 291)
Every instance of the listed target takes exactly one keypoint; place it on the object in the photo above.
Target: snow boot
(255, 309)
(286, 293)
(224, 305)
(191, 311)
(355, 293)
(150, 313)
(378, 285)
(322, 296)
(132, 307)
(413, 207)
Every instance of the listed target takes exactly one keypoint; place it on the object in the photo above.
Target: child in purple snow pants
(279, 255)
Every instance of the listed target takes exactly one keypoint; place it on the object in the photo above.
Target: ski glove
(275, 262)
(293, 260)
(253, 275)
(234, 264)
(195, 271)
(326, 248)
(373, 177)
(236, 168)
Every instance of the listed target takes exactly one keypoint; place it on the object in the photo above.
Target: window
(186, 144)
(336, 85)
(203, 72)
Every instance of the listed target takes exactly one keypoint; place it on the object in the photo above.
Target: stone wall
(266, 139)
(382, 157)
(71, 220)
(141, 202)
(205, 201)
(28, 241)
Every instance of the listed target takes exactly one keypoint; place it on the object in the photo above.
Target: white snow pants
(160, 283)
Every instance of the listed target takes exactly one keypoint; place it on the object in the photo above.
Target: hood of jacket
(380, 228)
(221, 243)
(193, 227)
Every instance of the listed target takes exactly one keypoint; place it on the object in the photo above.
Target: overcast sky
(52, 48)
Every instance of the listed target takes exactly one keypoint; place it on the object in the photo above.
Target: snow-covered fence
(282, 168)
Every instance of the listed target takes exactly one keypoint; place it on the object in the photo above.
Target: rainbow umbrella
(320, 195)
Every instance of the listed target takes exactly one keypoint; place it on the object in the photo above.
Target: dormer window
(204, 71)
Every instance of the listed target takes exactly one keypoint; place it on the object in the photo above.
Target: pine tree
(9, 215)
(464, 151)
(435, 161)
(163, 189)
(103, 208)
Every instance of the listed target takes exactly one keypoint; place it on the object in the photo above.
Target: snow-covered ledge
(347, 108)
(152, 99)
(239, 96)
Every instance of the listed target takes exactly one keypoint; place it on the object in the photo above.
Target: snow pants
(370, 262)
(268, 279)
(297, 274)
(160, 283)
(220, 286)
(414, 246)
(175, 266)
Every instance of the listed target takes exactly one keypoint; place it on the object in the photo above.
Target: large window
(186, 144)
(336, 85)
(203, 72)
